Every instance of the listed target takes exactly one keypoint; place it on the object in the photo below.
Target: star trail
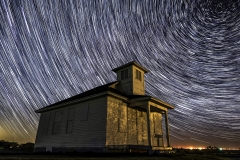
(51, 50)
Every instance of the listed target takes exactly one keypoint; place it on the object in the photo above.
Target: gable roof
(97, 90)
(93, 91)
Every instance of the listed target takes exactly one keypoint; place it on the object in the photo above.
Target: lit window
(70, 120)
(138, 75)
(57, 122)
(124, 74)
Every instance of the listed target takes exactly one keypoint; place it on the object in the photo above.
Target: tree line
(5, 145)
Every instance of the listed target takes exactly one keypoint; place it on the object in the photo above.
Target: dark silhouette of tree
(27, 146)
(213, 149)
(5, 145)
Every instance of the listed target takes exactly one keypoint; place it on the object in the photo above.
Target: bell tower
(131, 78)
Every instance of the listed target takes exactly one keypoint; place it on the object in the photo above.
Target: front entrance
(156, 127)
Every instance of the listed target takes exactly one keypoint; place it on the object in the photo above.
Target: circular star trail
(51, 50)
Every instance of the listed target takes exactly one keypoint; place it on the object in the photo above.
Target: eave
(149, 99)
(87, 98)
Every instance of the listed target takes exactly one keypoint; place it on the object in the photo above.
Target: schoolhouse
(115, 117)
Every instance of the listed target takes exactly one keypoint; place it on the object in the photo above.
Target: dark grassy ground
(72, 157)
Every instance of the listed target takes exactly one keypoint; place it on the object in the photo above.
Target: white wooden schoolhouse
(116, 117)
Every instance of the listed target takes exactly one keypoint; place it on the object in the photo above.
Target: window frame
(70, 119)
(138, 75)
(55, 123)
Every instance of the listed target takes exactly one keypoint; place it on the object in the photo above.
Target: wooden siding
(142, 132)
(42, 126)
(137, 127)
(90, 132)
(134, 121)
(109, 122)
(116, 131)
(132, 126)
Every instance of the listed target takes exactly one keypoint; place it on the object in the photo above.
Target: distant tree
(209, 147)
(216, 150)
(8, 145)
(2, 143)
(27, 146)
(5, 144)
(13, 145)
(213, 149)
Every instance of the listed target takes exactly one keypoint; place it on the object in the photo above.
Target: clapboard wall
(128, 126)
(116, 131)
(88, 126)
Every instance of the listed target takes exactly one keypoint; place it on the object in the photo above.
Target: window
(138, 75)
(124, 74)
(57, 122)
(70, 120)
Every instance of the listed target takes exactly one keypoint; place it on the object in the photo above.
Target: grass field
(64, 157)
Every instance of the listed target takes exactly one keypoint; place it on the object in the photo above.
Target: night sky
(51, 50)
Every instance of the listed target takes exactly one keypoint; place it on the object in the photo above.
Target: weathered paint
(128, 126)
(132, 126)
(116, 129)
(142, 134)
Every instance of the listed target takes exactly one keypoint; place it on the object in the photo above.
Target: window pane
(57, 122)
(138, 75)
